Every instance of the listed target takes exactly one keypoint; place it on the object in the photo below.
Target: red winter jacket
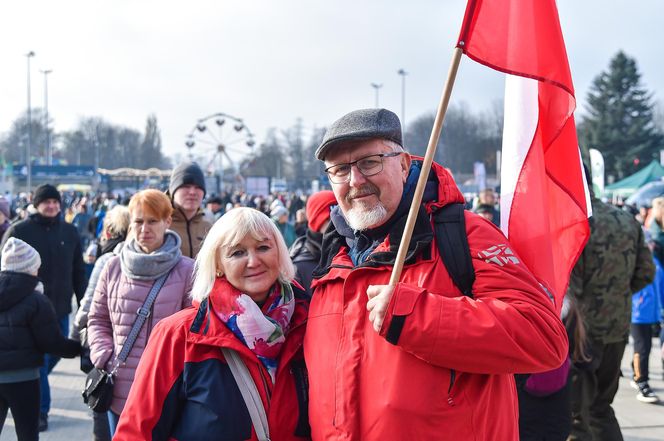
(184, 390)
(449, 375)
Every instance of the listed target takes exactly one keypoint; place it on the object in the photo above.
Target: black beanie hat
(43, 192)
(186, 174)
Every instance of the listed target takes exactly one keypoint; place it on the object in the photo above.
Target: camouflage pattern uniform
(615, 263)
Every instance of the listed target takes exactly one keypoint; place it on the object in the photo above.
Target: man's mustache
(364, 190)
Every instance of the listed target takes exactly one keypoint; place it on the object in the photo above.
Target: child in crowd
(28, 329)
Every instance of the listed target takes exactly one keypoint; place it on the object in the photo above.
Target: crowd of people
(239, 317)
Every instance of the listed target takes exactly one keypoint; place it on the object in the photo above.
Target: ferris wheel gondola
(221, 141)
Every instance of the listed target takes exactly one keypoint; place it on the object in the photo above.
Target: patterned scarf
(263, 330)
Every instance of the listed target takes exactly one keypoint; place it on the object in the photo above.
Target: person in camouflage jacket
(614, 264)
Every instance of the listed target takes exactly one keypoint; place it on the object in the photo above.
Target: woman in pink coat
(151, 251)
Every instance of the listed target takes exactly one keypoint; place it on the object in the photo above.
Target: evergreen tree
(620, 120)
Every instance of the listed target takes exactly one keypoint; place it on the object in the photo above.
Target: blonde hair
(116, 221)
(228, 231)
(658, 209)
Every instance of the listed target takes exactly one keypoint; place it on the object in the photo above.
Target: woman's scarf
(137, 264)
(108, 245)
(262, 329)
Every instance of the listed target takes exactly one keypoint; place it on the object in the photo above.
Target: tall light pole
(377, 87)
(28, 56)
(96, 135)
(49, 153)
(403, 74)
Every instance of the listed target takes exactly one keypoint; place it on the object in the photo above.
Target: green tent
(625, 187)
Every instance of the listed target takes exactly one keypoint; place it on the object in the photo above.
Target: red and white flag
(544, 197)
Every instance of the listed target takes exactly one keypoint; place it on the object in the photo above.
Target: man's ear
(405, 165)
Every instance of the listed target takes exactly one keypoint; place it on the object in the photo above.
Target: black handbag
(98, 391)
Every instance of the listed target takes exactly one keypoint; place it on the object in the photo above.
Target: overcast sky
(270, 62)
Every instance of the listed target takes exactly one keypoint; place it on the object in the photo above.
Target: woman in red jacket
(245, 301)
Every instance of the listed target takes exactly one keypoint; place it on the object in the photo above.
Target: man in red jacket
(420, 361)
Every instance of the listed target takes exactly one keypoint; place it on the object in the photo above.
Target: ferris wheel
(221, 142)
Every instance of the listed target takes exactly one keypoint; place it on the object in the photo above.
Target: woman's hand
(379, 298)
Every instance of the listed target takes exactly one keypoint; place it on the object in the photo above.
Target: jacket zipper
(191, 244)
(186, 222)
(268, 393)
(298, 347)
(450, 400)
(336, 265)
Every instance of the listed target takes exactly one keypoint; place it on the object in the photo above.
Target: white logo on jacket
(500, 254)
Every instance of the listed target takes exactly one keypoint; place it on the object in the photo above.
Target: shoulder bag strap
(249, 393)
(141, 315)
(452, 239)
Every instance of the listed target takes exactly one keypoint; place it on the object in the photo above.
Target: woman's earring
(218, 273)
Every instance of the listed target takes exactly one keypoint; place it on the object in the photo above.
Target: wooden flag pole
(426, 167)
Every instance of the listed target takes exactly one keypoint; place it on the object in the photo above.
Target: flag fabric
(544, 197)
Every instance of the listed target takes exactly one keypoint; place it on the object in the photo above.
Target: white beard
(360, 218)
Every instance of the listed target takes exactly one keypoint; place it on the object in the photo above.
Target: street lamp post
(49, 153)
(403, 74)
(29, 164)
(377, 87)
(96, 138)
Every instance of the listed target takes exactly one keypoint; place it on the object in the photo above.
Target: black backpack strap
(450, 229)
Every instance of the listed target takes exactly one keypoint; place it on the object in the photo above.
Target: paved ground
(640, 421)
(70, 421)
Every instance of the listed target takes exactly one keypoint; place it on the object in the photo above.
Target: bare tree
(466, 137)
(13, 144)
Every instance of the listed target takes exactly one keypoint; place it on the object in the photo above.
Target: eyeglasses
(368, 166)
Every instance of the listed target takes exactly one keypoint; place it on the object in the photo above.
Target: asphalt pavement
(70, 420)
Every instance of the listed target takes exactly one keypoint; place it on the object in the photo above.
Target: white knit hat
(278, 211)
(19, 257)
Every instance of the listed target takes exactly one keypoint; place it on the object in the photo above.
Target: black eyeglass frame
(346, 178)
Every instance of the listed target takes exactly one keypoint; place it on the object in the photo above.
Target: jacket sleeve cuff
(400, 307)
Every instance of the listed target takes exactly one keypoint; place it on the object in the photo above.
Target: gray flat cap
(361, 124)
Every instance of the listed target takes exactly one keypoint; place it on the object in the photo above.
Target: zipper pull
(450, 400)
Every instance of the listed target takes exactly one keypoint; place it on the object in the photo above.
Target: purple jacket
(113, 312)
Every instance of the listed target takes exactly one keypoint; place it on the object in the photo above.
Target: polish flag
(544, 198)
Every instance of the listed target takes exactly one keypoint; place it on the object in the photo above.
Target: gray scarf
(136, 264)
